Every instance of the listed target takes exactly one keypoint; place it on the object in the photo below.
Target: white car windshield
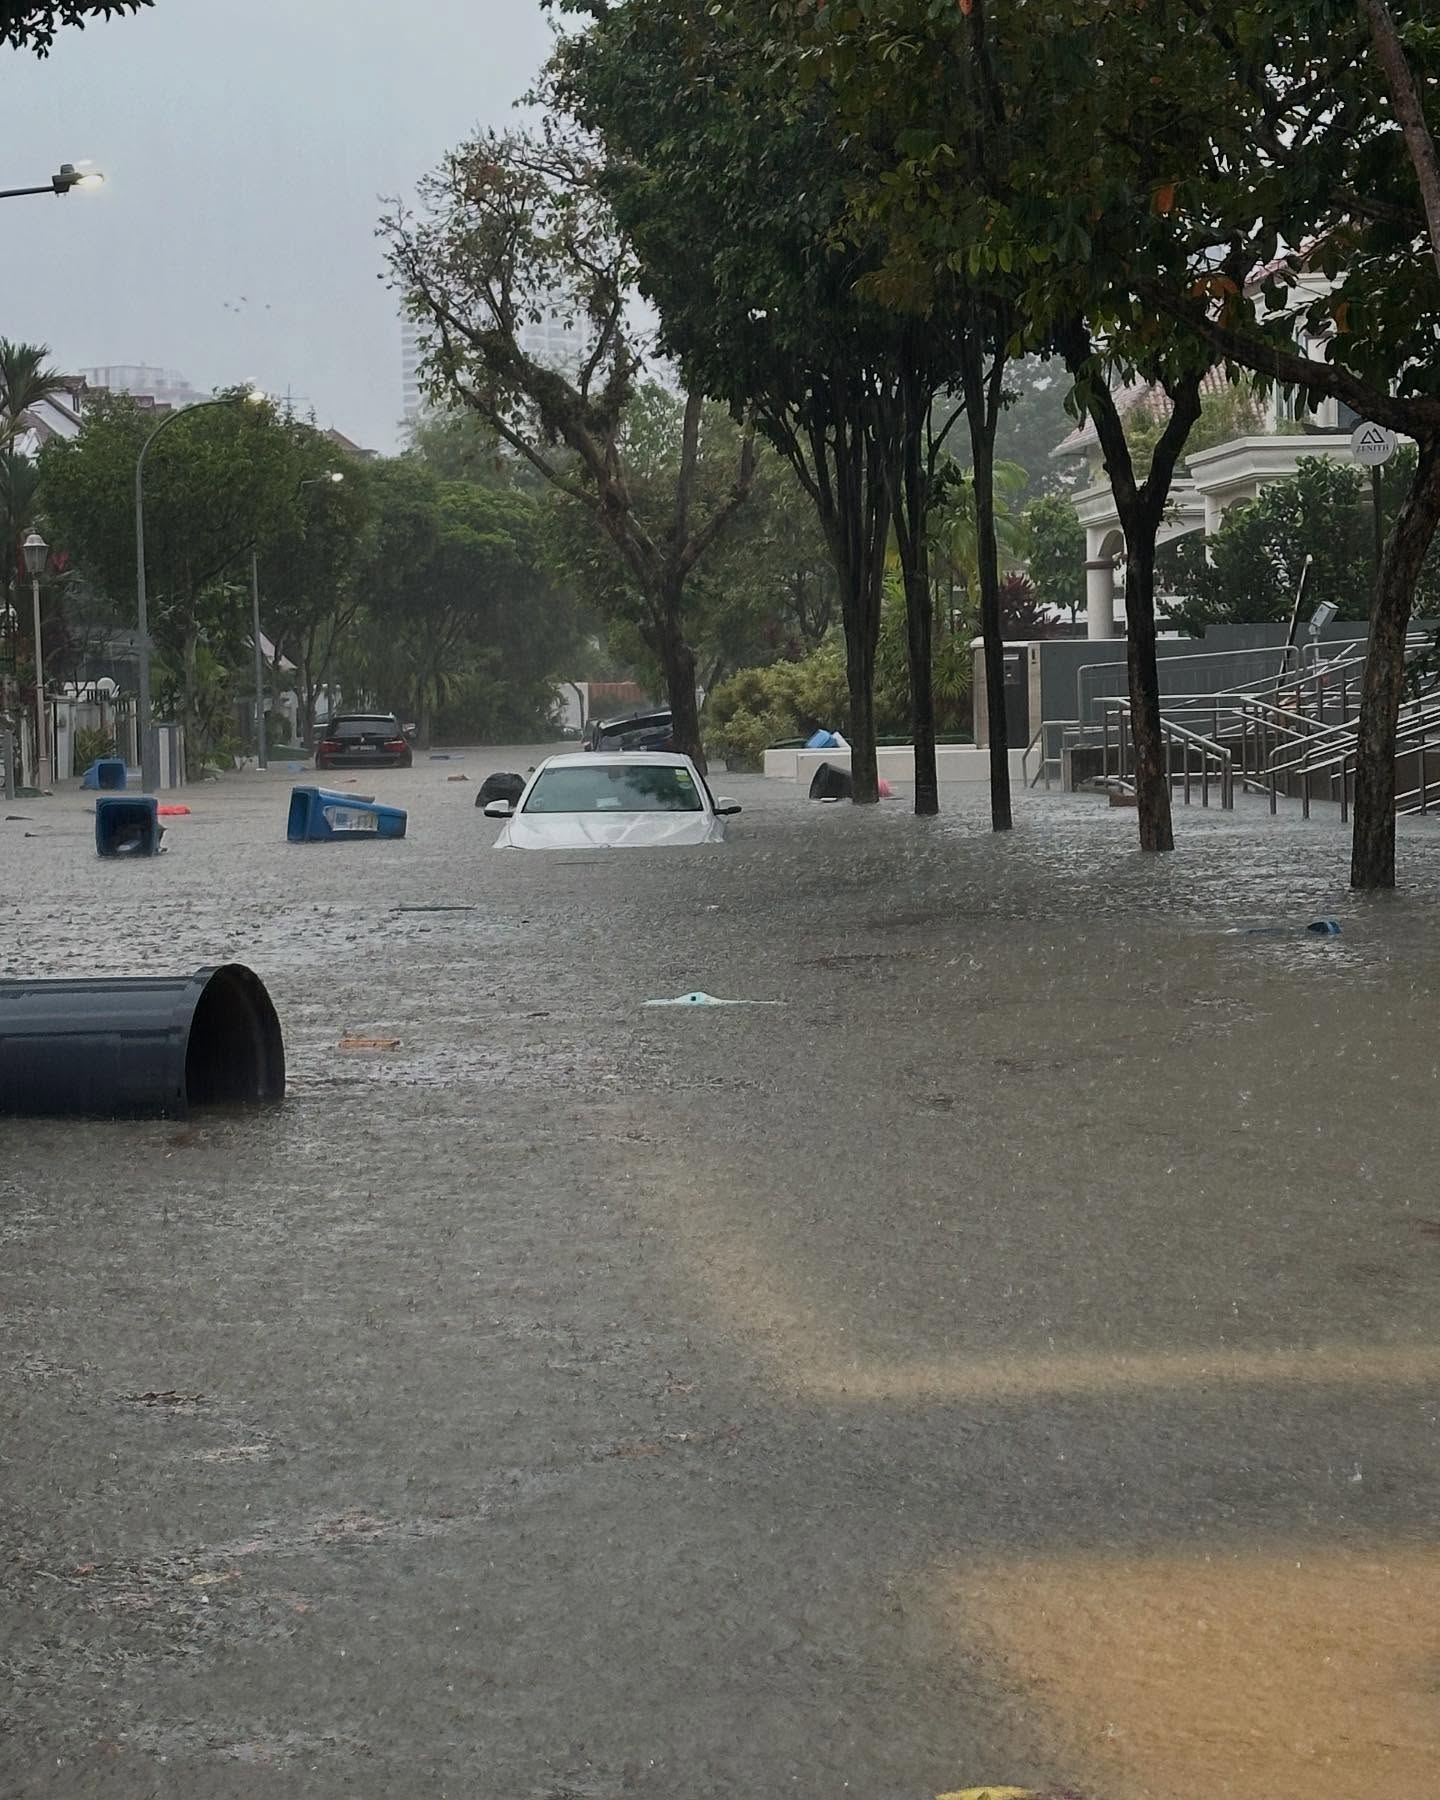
(618, 787)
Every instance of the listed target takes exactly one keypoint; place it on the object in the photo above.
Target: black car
(638, 731)
(363, 741)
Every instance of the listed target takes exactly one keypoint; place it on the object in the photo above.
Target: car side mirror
(499, 809)
(726, 809)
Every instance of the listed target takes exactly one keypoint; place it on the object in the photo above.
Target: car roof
(635, 718)
(336, 718)
(592, 759)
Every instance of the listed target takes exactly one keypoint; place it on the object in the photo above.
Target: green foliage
(1257, 555)
(760, 707)
(457, 618)
(765, 589)
(1034, 421)
(954, 534)
(1054, 549)
(512, 225)
(309, 565)
(32, 24)
(218, 480)
(91, 743)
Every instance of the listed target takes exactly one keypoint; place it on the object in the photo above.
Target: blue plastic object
(105, 772)
(128, 826)
(822, 740)
(317, 814)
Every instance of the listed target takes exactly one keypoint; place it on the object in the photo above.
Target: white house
(1214, 479)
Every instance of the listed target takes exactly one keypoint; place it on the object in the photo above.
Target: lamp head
(73, 175)
(37, 554)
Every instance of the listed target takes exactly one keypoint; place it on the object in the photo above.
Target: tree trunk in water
(1152, 778)
(860, 674)
(922, 690)
(677, 663)
(425, 720)
(910, 507)
(982, 413)
(861, 571)
(189, 703)
(1372, 852)
(983, 450)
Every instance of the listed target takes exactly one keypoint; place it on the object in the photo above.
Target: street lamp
(328, 479)
(149, 752)
(67, 176)
(37, 554)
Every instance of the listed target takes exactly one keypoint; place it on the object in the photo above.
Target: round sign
(1372, 445)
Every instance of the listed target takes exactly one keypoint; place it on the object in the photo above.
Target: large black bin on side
(144, 1047)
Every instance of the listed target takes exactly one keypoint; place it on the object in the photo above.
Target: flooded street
(1010, 1358)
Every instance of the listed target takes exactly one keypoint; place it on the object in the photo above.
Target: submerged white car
(597, 802)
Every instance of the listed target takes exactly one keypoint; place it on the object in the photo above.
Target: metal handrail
(1025, 758)
(1173, 734)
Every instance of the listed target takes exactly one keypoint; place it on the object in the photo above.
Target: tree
(1034, 421)
(25, 380)
(1256, 558)
(722, 608)
(455, 601)
(703, 144)
(1054, 549)
(1017, 168)
(513, 227)
(1328, 144)
(216, 483)
(32, 24)
(308, 568)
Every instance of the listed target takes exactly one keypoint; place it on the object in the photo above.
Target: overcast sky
(246, 145)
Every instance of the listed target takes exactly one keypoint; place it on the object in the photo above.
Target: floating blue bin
(105, 772)
(127, 827)
(316, 813)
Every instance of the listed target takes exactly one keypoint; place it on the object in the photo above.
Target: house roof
(1136, 397)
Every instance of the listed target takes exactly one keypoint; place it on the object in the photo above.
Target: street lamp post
(67, 176)
(37, 554)
(330, 478)
(150, 750)
(262, 749)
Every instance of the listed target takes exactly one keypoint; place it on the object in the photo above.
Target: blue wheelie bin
(317, 814)
(105, 772)
(127, 825)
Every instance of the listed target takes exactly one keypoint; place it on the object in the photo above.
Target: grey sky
(245, 143)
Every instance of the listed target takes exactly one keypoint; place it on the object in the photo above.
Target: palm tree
(24, 382)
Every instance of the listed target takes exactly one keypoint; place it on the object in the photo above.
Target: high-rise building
(557, 339)
(166, 387)
(412, 400)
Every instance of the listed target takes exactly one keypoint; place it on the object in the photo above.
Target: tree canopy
(32, 24)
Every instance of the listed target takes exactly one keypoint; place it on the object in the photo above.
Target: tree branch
(1410, 111)
(1415, 417)
(739, 493)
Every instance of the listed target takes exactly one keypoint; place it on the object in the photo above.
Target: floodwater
(1012, 1358)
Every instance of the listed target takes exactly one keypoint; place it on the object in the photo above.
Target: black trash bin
(508, 786)
(148, 1046)
(830, 782)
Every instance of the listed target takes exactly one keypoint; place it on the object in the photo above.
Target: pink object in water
(884, 789)
(172, 812)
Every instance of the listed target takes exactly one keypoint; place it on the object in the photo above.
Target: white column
(1100, 597)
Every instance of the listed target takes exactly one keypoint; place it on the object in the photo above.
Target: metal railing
(1193, 747)
(1290, 731)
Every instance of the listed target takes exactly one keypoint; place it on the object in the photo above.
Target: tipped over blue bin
(316, 814)
(128, 825)
(105, 772)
